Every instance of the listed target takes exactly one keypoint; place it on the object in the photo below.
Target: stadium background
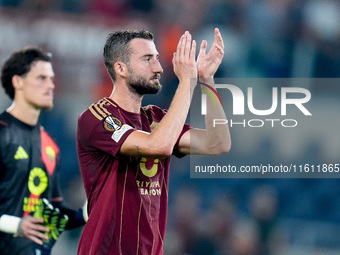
(263, 38)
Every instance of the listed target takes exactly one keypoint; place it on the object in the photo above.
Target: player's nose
(157, 67)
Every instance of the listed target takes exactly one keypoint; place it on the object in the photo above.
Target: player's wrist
(187, 80)
(9, 224)
(203, 77)
(206, 82)
(206, 79)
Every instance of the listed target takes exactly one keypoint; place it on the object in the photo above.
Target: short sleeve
(102, 133)
(176, 152)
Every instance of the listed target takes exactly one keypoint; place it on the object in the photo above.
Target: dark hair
(117, 47)
(19, 63)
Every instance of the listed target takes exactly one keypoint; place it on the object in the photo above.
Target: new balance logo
(21, 153)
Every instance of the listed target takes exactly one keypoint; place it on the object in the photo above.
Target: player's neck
(127, 99)
(25, 114)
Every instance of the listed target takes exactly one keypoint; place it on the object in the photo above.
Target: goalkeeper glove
(54, 220)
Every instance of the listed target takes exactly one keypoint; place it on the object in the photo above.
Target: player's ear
(17, 81)
(120, 69)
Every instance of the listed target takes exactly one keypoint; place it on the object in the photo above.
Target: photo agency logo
(280, 99)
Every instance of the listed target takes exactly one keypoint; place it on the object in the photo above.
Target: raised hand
(184, 58)
(208, 63)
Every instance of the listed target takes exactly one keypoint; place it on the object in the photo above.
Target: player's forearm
(169, 129)
(217, 134)
(185, 68)
(160, 142)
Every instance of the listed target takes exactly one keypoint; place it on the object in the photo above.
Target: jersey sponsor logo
(149, 166)
(112, 124)
(37, 184)
(20, 153)
(37, 181)
(148, 188)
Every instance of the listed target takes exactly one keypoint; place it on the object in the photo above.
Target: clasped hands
(184, 61)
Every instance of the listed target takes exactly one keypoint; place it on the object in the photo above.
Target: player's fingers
(38, 234)
(187, 46)
(35, 239)
(193, 50)
(36, 220)
(203, 48)
(218, 38)
(36, 224)
(40, 228)
(180, 44)
(219, 49)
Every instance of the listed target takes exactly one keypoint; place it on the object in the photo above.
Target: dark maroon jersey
(127, 196)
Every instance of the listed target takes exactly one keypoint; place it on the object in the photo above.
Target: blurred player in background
(31, 212)
(124, 149)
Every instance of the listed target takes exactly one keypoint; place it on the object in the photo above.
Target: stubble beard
(142, 86)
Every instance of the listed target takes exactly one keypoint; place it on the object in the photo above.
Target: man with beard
(124, 149)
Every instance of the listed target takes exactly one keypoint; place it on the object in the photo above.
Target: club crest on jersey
(112, 124)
